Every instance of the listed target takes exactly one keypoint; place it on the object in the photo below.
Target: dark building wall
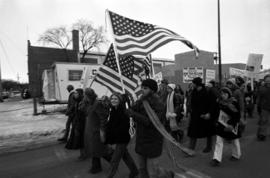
(40, 58)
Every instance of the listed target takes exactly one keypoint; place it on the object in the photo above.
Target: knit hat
(197, 81)
(213, 82)
(172, 86)
(150, 83)
(231, 81)
(226, 90)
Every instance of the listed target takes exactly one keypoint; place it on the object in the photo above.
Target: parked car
(5, 94)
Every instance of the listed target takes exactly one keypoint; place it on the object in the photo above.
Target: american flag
(138, 38)
(108, 74)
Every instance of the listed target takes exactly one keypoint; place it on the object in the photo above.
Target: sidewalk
(21, 130)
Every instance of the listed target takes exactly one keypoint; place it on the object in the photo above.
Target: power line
(7, 58)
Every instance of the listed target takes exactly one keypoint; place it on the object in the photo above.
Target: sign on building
(237, 72)
(210, 74)
(190, 73)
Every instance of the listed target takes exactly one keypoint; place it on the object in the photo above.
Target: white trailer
(80, 75)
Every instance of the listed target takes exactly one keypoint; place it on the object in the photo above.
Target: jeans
(119, 153)
(235, 145)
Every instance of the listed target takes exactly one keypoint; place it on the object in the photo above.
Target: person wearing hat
(174, 112)
(69, 113)
(148, 139)
(235, 85)
(227, 127)
(94, 148)
(199, 124)
(263, 108)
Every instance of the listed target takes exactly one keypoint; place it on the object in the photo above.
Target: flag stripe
(138, 38)
(156, 32)
(142, 50)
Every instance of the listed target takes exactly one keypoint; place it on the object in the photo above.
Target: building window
(74, 75)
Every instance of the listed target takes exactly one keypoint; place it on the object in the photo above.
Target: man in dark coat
(69, 112)
(263, 108)
(199, 126)
(96, 113)
(148, 139)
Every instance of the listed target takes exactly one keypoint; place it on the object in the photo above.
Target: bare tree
(57, 36)
(90, 37)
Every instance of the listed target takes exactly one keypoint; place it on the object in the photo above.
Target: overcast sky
(244, 25)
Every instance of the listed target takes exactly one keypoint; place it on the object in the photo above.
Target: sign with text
(210, 74)
(237, 72)
(254, 64)
(190, 73)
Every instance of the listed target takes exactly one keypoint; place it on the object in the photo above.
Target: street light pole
(1, 89)
(219, 49)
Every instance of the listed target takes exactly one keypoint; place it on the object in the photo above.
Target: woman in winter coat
(116, 132)
(96, 114)
(227, 126)
(76, 139)
(149, 141)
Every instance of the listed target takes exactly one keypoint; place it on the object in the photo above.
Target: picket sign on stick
(131, 123)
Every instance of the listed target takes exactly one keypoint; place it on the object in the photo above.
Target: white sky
(244, 25)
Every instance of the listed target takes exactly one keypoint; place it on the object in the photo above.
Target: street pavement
(51, 159)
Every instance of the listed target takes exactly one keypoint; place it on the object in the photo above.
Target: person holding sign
(227, 127)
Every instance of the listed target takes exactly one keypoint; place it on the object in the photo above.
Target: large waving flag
(131, 68)
(138, 38)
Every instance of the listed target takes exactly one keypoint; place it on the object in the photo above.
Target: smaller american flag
(108, 74)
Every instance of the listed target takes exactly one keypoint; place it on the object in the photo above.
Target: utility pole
(1, 89)
(219, 48)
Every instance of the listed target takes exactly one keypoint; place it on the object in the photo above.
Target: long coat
(199, 127)
(231, 108)
(117, 128)
(96, 113)
(76, 139)
(149, 141)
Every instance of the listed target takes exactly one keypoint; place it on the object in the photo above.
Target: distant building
(205, 60)
(41, 58)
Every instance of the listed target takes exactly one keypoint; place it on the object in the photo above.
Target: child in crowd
(227, 127)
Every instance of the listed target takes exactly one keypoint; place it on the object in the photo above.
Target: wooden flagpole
(131, 129)
(115, 51)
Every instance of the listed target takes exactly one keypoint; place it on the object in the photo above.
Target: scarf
(159, 126)
(170, 106)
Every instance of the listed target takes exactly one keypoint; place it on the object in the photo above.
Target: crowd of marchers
(100, 127)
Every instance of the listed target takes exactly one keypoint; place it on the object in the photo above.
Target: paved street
(55, 161)
(51, 159)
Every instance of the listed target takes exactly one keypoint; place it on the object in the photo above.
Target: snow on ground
(20, 129)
